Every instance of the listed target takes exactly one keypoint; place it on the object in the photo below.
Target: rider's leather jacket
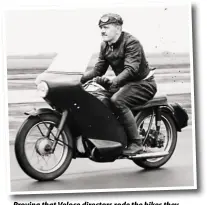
(126, 58)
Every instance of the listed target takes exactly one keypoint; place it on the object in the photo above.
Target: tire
(170, 125)
(21, 144)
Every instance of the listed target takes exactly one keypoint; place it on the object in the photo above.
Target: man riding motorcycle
(134, 83)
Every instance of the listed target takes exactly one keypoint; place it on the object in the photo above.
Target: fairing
(93, 119)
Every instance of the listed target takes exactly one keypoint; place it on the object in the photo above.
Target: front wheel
(168, 133)
(33, 147)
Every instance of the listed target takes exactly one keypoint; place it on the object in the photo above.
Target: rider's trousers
(131, 95)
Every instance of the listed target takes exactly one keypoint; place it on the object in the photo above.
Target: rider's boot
(135, 142)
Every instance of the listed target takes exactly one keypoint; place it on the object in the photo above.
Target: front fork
(157, 114)
(59, 129)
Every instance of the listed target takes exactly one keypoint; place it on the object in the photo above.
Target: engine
(155, 139)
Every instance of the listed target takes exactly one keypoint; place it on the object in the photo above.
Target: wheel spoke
(55, 157)
(60, 142)
(38, 160)
(48, 129)
(40, 131)
(33, 151)
(44, 160)
(149, 127)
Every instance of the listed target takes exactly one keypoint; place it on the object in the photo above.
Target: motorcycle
(82, 124)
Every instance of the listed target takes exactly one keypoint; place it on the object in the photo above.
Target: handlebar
(94, 84)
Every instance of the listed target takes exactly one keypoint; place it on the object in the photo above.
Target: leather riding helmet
(110, 18)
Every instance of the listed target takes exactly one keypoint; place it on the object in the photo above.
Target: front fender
(37, 112)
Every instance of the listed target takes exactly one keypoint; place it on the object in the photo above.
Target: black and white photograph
(100, 99)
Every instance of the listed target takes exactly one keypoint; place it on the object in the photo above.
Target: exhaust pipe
(149, 155)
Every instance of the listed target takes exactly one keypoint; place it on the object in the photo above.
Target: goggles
(109, 19)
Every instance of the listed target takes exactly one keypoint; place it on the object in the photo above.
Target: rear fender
(167, 109)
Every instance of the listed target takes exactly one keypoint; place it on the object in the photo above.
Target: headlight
(42, 89)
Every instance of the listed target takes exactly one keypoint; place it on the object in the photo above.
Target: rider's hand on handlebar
(103, 81)
(114, 87)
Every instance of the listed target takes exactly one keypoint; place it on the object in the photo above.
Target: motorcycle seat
(156, 101)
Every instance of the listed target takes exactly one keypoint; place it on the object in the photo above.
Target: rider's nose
(102, 30)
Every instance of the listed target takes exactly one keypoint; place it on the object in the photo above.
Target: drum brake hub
(43, 146)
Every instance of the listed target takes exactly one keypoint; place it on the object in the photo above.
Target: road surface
(84, 174)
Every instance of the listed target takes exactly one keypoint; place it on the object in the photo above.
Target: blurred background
(35, 37)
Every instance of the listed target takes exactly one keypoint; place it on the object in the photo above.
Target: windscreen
(76, 57)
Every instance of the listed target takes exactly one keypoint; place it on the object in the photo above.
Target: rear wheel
(167, 131)
(33, 147)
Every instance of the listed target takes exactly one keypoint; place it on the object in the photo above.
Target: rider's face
(109, 32)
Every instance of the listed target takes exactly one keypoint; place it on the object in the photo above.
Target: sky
(158, 29)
